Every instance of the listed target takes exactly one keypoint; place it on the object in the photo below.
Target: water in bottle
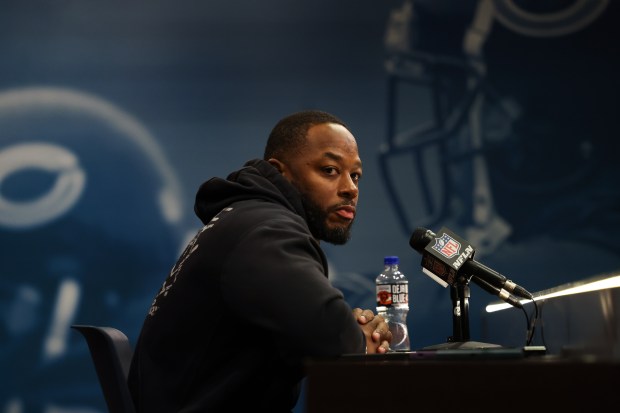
(393, 302)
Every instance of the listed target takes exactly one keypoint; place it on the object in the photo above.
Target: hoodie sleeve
(275, 278)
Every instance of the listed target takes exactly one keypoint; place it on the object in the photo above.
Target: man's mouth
(347, 212)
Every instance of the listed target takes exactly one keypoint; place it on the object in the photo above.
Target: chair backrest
(111, 353)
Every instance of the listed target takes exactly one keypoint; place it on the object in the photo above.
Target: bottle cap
(390, 260)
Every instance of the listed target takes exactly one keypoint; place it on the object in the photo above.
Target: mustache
(346, 203)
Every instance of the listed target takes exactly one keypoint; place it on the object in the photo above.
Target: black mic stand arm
(460, 339)
(460, 294)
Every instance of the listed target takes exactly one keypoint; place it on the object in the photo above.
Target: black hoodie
(245, 303)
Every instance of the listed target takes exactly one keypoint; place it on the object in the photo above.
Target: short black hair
(289, 134)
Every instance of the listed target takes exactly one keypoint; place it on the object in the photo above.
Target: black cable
(530, 323)
(542, 333)
(532, 327)
(527, 324)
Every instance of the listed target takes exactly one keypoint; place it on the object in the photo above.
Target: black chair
(111, 353)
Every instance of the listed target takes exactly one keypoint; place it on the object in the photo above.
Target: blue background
(127, 107)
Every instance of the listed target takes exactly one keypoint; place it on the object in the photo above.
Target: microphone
(443, 261)
(501, 293)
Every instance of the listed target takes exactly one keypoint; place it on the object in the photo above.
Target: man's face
(327, 174)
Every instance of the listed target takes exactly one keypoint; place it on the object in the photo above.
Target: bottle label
(384, 295)
(392, 294)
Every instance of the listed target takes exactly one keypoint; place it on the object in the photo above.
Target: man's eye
(356, 177)
(330, 170)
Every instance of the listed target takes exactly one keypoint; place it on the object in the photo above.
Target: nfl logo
(447, 246)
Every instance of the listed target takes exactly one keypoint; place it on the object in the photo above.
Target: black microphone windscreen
(420, 239)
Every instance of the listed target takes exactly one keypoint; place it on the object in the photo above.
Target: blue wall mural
(494, 118)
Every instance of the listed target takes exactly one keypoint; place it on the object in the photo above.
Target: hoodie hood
(258, 179)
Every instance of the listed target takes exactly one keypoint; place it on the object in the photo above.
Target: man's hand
(376, 331)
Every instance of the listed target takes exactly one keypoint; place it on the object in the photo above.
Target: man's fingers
(384, 347)
(382, 333)
(363, 316)
(368, 314)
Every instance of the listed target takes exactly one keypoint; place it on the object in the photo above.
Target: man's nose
(348, 187)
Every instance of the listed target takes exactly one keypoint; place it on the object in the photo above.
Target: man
(249, 298)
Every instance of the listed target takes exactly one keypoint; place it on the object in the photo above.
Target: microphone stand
(460, 339)
(460, 311)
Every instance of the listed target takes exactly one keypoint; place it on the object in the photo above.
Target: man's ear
(277, 164)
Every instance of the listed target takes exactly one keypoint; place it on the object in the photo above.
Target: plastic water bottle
(393, 302)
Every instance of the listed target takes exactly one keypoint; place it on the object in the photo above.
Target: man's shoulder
(245, 224)
(252, 213)
(252, 209)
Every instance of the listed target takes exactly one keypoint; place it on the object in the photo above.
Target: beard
(317, 222)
